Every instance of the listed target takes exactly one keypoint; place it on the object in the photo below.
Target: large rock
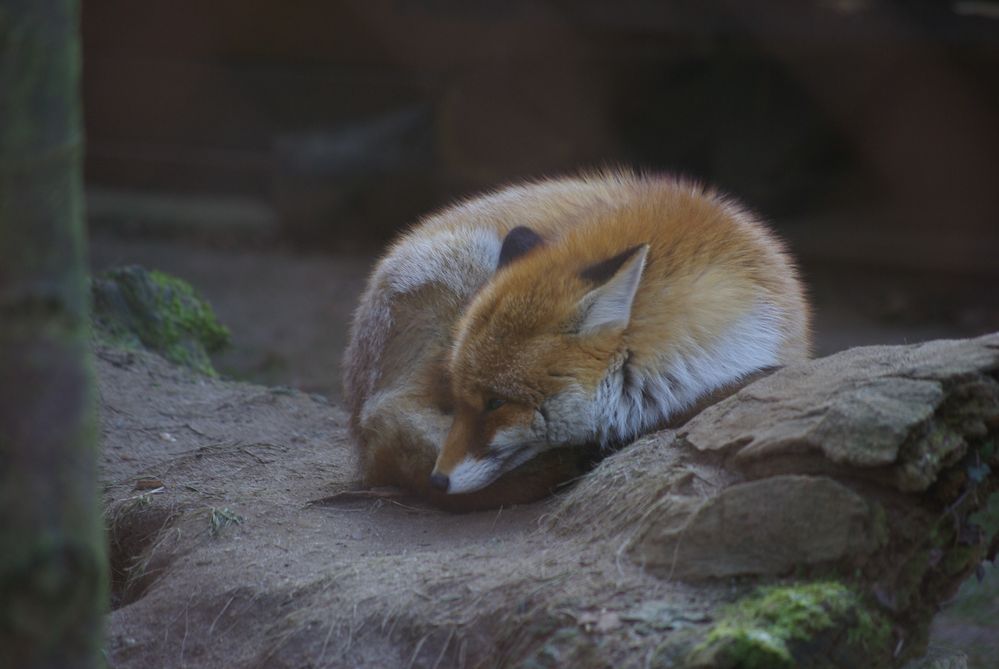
(765, 527)
(910, 409)
(894, 417)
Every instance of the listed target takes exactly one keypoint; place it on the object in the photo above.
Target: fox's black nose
(440, 481)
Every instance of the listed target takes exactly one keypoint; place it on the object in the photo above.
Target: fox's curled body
(617, 304)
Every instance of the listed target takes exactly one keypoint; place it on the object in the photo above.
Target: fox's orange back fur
(439, 328)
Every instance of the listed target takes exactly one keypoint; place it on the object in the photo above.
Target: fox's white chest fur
(637, 396)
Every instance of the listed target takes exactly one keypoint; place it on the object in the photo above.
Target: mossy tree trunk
(52, 555)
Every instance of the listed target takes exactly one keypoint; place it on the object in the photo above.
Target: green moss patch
(137, 308)
(790, 626)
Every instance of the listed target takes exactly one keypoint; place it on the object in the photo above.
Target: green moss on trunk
(814, 624)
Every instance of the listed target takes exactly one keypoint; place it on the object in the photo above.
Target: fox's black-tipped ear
(609, 304)
(602, 271)
(517, 242)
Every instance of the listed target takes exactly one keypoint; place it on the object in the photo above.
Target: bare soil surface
(220, 559)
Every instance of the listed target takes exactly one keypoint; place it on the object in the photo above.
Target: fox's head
(529, 354)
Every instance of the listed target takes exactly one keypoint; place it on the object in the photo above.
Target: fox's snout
(473, 472)
(440, 481)
(488, 438)
(469, 475)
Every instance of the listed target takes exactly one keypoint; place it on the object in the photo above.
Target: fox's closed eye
(494, 403)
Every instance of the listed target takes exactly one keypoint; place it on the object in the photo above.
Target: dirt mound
(221, 560)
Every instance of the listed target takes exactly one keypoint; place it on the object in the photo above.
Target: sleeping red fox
(568, 312)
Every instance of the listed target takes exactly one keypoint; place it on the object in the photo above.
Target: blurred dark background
(875, 121)
(266, 151)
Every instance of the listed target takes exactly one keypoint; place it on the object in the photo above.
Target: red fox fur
(562, 313)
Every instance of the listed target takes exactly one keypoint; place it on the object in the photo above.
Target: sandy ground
(220, 559)
(289, 315)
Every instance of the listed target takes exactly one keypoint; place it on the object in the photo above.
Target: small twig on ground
(211, 627)
(350, 631)
(381, 494)
(145, 494)
(447, 642)
(195, 430)
(187, 621)
(496, 519)
(351, 495)
(243, 450)
(416, 651)
(326, 641)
